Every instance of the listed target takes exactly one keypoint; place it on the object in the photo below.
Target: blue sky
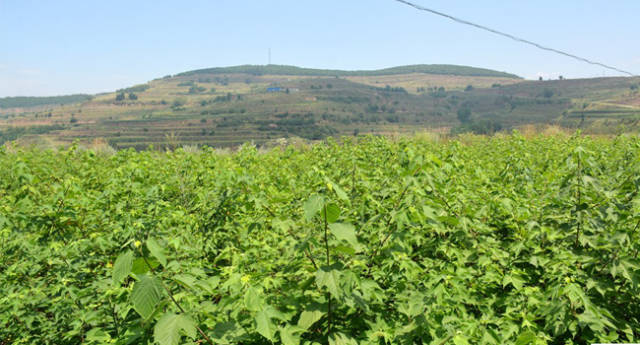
(73, 46)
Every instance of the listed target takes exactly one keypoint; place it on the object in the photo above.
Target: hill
(224, 107)
(27, 102)
(292, 70)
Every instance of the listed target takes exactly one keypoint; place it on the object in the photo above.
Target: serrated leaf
(526, 338)
(98, 336)
(308, 318)
(147, 293)
(139, 267)
(460, 340)
(122, 267)
(345, 232)
(264, 326)
(340, 193)
(288, 336)
(185, 280)
(341, 339)
(332, 212)
(253, 300)
(344, 249)
(156, 250)
(313, 206)
(329, 277)
(167, 330)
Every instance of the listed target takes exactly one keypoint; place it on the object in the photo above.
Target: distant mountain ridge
(293, 70)
(27, 101)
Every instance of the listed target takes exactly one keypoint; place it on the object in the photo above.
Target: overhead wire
(515, 38)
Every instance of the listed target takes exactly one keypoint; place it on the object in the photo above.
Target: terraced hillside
(224, 107)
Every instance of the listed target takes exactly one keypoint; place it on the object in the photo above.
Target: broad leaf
(288, 336)
(341, 339)
(332, 211)
(170, 327)
(313, 206)
(329, 277)
(460, 340)
(344, 232)
(122, 267)
(140, 266)
(264, 326)
(253, 300)
(156, 250)
(526, 338)
(340, 193)
(147, 293)
(308, 318)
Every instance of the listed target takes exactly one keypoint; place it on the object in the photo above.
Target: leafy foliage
(508, 240)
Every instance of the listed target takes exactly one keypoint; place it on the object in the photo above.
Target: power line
(518, 39)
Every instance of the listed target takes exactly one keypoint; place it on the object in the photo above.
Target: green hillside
(23, 102)
(227, 107)
(292, 70)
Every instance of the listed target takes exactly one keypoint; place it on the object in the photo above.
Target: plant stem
(307, 251)
(384, 240)
(326, 246)
(446, 339)
(326, 237)
(171, 296)
(115, 318)
(635, 254)
(578, 212)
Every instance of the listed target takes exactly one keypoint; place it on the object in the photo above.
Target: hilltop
(228, 106)
(257, 70)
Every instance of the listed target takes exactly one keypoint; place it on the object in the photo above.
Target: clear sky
(86, 46)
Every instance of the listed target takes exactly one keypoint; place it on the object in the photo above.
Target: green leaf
(156, 250)
(308, 318)
(139, 267)
(526, 338)
(341, 339)
(344, 232)
(460, 340)
(98, 336)
(340, 193)
(313, 206)
(288, 337)
(147, 293)
(168, 329)
(329, 277)
(332, 212)
(253, 300)
(264, 326)
(186, 280)
(122, 267)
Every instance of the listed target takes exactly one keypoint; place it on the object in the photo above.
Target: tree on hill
(133, 96)
(120, 97)
(464, 114)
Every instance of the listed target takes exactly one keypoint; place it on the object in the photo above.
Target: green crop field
(501, 240)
